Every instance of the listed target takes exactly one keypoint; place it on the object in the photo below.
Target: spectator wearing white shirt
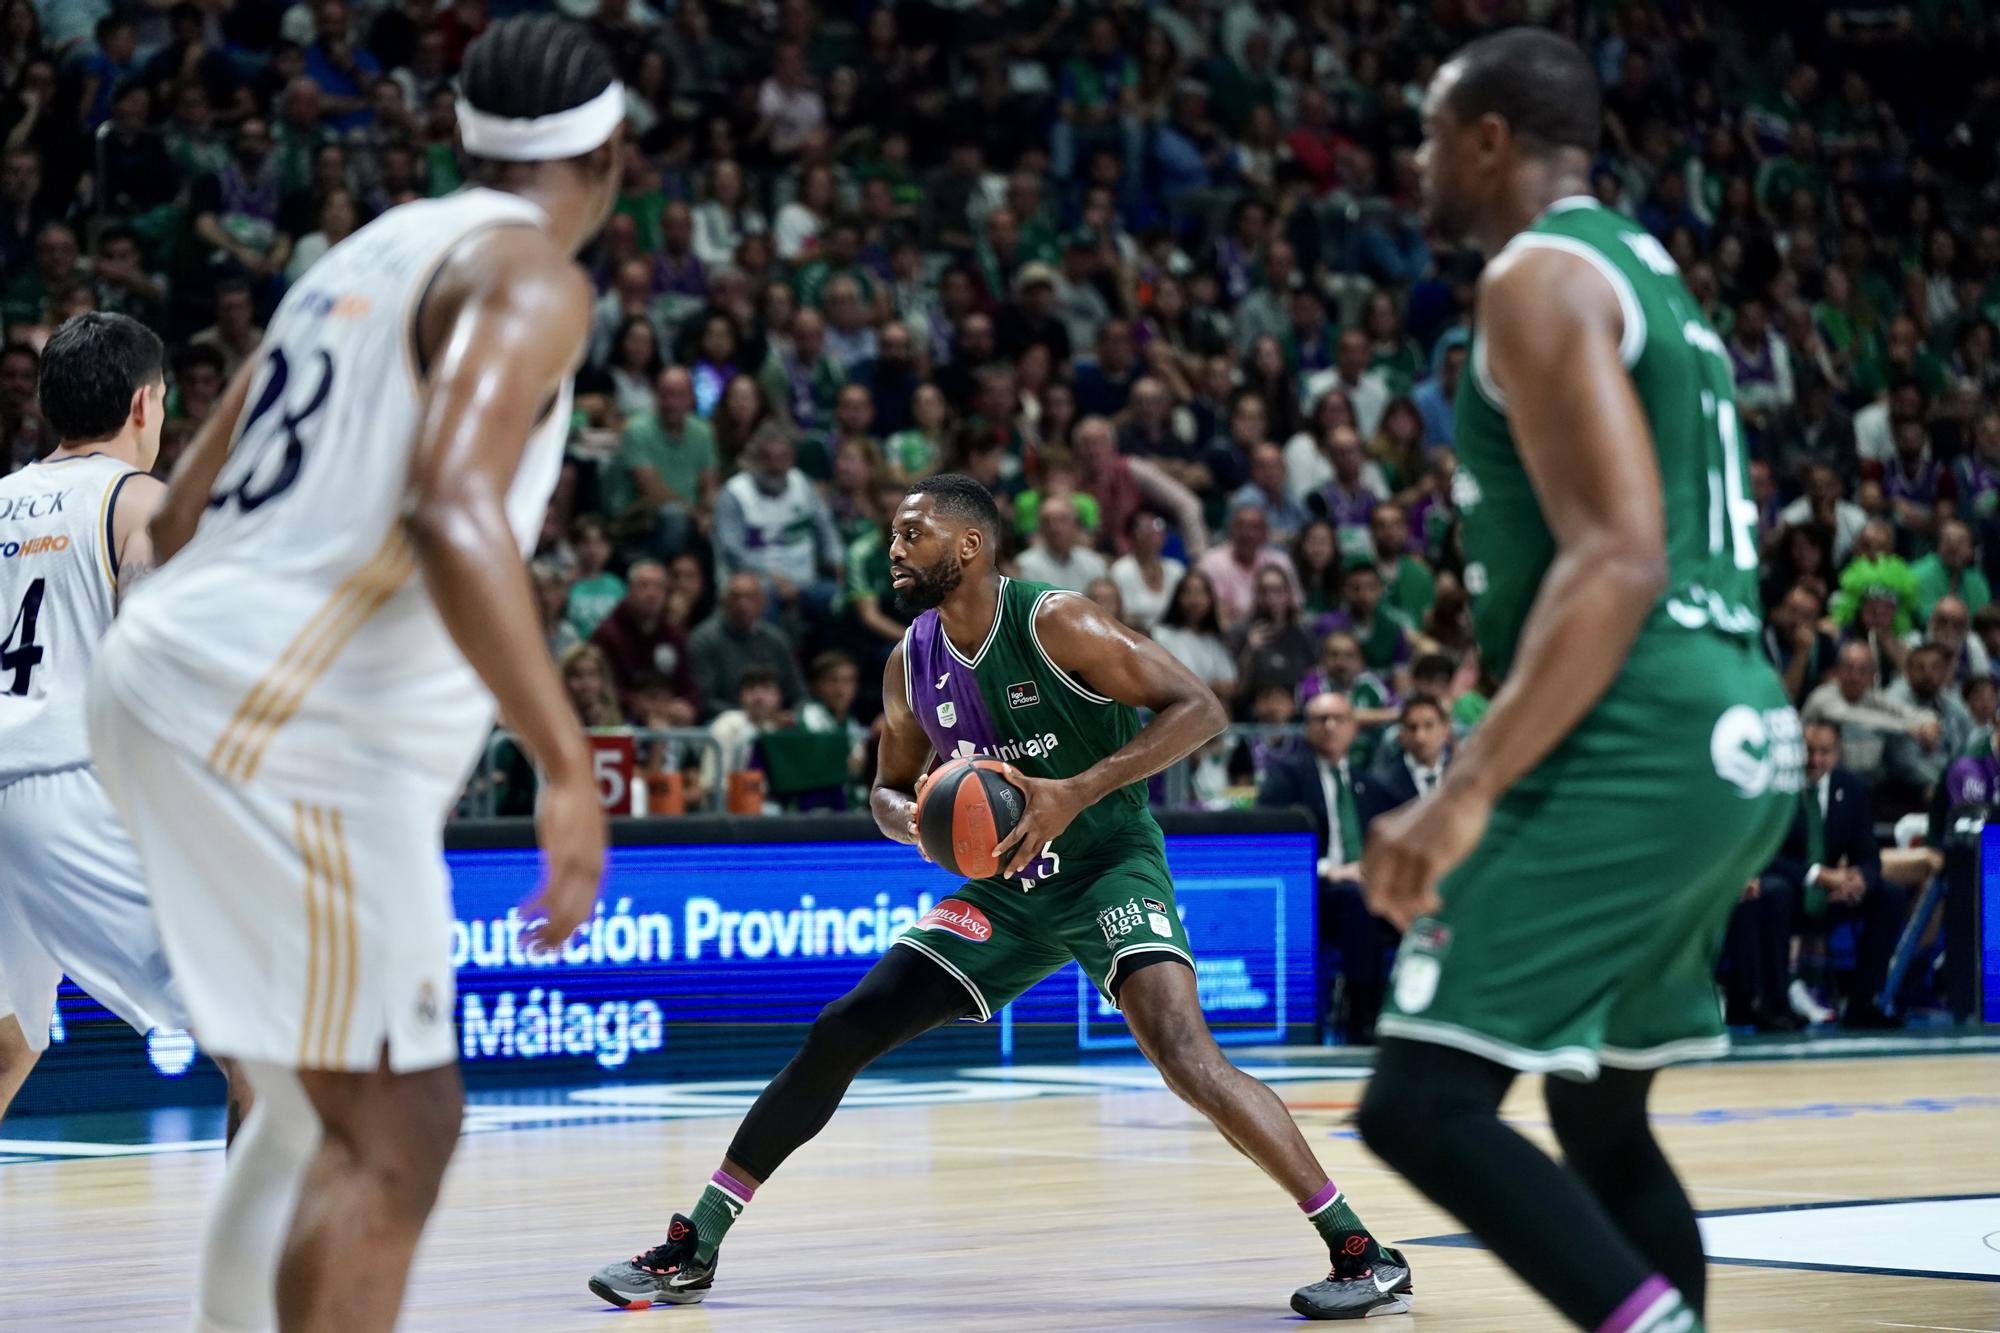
(850, 337)
(770, 521)
(1867, 717)
(1875, 424)
(1367, 391)
(1823, 503)
(1307, 468)
(1762, 366)
(788, 103)
(1248, 16)
(796, 235)
(1146, 577)
(1058, 556)
(722, 220)
(1192, 631)
(760, 707)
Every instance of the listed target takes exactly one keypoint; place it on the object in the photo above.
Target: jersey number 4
(19, 653)
(246, 480)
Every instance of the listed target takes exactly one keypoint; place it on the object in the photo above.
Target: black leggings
(904, 995)
(1585, 1237)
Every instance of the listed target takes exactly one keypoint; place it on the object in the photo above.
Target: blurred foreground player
(1046, 681)
(73, 531)
(1640, 761)
(291, 704)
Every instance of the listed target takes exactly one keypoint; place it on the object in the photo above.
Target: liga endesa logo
(960, 918)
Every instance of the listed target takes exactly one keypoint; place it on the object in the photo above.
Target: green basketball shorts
(1584, 929)
(999, 940)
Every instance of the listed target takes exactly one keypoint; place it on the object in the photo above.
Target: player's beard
(930, 586)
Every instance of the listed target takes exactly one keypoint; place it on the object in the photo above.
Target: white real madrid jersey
(292, 639)
(58, 590)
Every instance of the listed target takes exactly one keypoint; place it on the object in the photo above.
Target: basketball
(968, 808)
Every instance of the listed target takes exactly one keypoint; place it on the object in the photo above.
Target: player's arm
(138, 500)
(186, 500)
(900, 757)
(1094, 649)
(510, 315)
(1551, 331)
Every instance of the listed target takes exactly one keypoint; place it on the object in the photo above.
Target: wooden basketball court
(1075, 1197)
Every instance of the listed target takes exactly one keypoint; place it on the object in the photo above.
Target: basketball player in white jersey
(72, 542)
(293, 702)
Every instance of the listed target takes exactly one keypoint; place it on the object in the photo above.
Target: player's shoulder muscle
(1533, 297)
(512, 281)
(1073, 630)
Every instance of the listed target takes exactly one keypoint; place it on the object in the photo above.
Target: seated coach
(1320, 781)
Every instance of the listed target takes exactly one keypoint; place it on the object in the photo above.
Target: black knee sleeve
(903, 995)
(1418, 1091)
(1601, 1122)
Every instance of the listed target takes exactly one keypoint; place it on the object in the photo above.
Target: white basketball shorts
(303, 934)
(72, 901)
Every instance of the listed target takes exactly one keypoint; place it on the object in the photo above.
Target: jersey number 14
(1732, 515)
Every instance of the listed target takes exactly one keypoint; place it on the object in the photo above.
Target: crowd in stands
(1156, 274)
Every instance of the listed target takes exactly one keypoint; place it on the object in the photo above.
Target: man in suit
(1320, 782)
(1831, 867)
(1416, 767)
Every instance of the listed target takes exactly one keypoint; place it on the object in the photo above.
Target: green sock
(1337, 1224)
(716, 1211)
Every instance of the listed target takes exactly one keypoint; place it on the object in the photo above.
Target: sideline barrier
(719, 938)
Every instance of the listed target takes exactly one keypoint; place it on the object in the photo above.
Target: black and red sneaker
(667, 1274)
(1370, 1280)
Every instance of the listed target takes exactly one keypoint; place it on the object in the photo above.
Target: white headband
(550, 138)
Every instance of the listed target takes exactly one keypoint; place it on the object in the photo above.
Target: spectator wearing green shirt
(596, 591)
(1901, 353)
(1392, 353)
(839, 257)
(660, 485)
(641, 198)
(1406, 584)
(876, 622)
(1797, 168)
(1950, 571)
(920, 450)
(1844, 320)
(1381, 628)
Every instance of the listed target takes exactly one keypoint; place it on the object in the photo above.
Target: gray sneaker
(1359, 1290)
(667, 1274)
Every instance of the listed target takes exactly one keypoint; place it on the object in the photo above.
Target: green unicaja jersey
(1682, 374)
(1007, 700)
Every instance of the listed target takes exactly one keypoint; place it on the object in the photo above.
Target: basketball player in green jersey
(1045, 681)
(1566, 891)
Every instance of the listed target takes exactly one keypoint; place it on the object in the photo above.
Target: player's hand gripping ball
(965, 810)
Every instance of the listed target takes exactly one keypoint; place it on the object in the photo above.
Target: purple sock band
(732, 1184)
(1633, 1307)
(1321, 1197)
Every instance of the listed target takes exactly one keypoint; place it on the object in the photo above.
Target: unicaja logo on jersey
(1757, 752)
(1032, 748)
(958, 917)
